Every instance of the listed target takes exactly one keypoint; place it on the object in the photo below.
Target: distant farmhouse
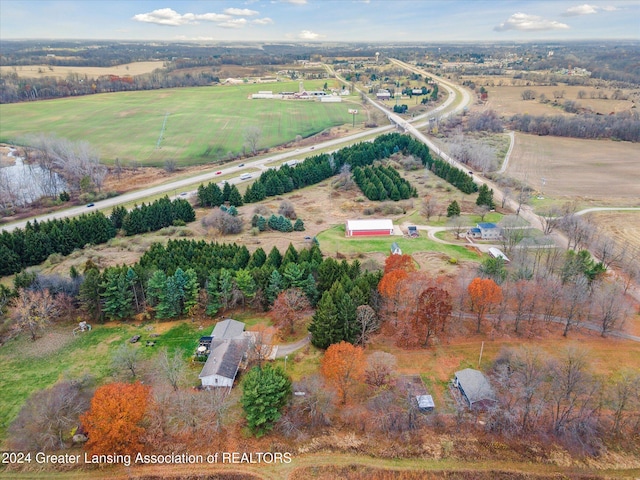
(301, 94)
(485, 231)
(383, 94)
(228, 348)
(474, 388)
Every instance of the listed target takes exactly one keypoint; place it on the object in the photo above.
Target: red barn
(361, 228)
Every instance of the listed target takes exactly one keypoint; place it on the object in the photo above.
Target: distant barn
(371, 227)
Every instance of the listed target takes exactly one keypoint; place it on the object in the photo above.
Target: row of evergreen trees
(159, 214)
(212, 195)
(320, 167)
(23, 248)
(383, 183)
(33, 245)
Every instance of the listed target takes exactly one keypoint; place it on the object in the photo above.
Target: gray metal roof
(475, 385)
(228, 329)
(225, 358)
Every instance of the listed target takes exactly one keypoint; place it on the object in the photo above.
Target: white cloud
(168, 16)
(309, 35)
(163, 16)
(526, 22)
(580, 10)
(240, 12)
(587, 9)
(295, 2)
(234, 23)
(262, 21)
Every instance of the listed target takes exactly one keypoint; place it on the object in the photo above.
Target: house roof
(227, 329)
(225, 358)
(370, 224)
(487, 225)
(475, 385)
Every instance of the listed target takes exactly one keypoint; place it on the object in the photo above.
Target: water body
(21, 183)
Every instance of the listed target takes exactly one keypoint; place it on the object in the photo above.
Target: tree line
(173, 279)
(32, 245)
(318, 168)
(620, 126)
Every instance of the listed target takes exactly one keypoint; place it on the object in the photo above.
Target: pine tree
(485, 196)
(235, 198)
(453, 210)
(275, 286)
(117, 295)
(298, 226)
(213, 294)
(324, 326)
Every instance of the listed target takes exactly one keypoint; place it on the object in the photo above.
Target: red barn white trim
(361, 228)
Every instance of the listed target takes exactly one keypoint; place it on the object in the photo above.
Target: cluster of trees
(23, 248)
(559, 394)
(279, 223)
(212, 195)
(174, 279)
(347, 309)
(382, 183)
(485, 197)
(320, 167)
(621, 126)
(154, 216)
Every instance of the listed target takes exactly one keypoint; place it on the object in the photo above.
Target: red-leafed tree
(343, 367)
(433, 310)
(290, 305)
(114, 421)
(484, 293)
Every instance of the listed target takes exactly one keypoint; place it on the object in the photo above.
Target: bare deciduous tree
(171, 368)
(252, 136)
(33, 311)
(127, 358)
(380, 369)
(368, 323)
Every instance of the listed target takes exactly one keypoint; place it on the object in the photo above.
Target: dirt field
(603, 171)
(30, 71)
(507, 100)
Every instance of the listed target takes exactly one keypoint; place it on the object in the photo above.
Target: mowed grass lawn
(26, 366)
(203, 124)
(334, 240)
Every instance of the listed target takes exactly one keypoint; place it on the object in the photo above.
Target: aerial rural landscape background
(299, 239)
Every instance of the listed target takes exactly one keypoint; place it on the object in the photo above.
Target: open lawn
(334, 240)
(601, 171)
(186, 125)
(26, 366)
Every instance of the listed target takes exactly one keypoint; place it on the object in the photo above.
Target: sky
(320, 20)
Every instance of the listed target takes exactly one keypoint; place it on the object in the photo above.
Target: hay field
(37, 71)
(622, 226)
(602, 170)
(203, 124)
(507, 100)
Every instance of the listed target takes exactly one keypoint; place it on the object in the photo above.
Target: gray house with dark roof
(228, 349)
(475, 388)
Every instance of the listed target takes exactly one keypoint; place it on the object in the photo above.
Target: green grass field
(26, 366)
(203, 124)
(333, 240)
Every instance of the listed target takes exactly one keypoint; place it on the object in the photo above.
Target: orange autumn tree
(389, 288)
(484, 293)
(343, 367)
(399, 262)
(114, 421)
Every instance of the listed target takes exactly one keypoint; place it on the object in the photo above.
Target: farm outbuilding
(475, 388)
(371, 227)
